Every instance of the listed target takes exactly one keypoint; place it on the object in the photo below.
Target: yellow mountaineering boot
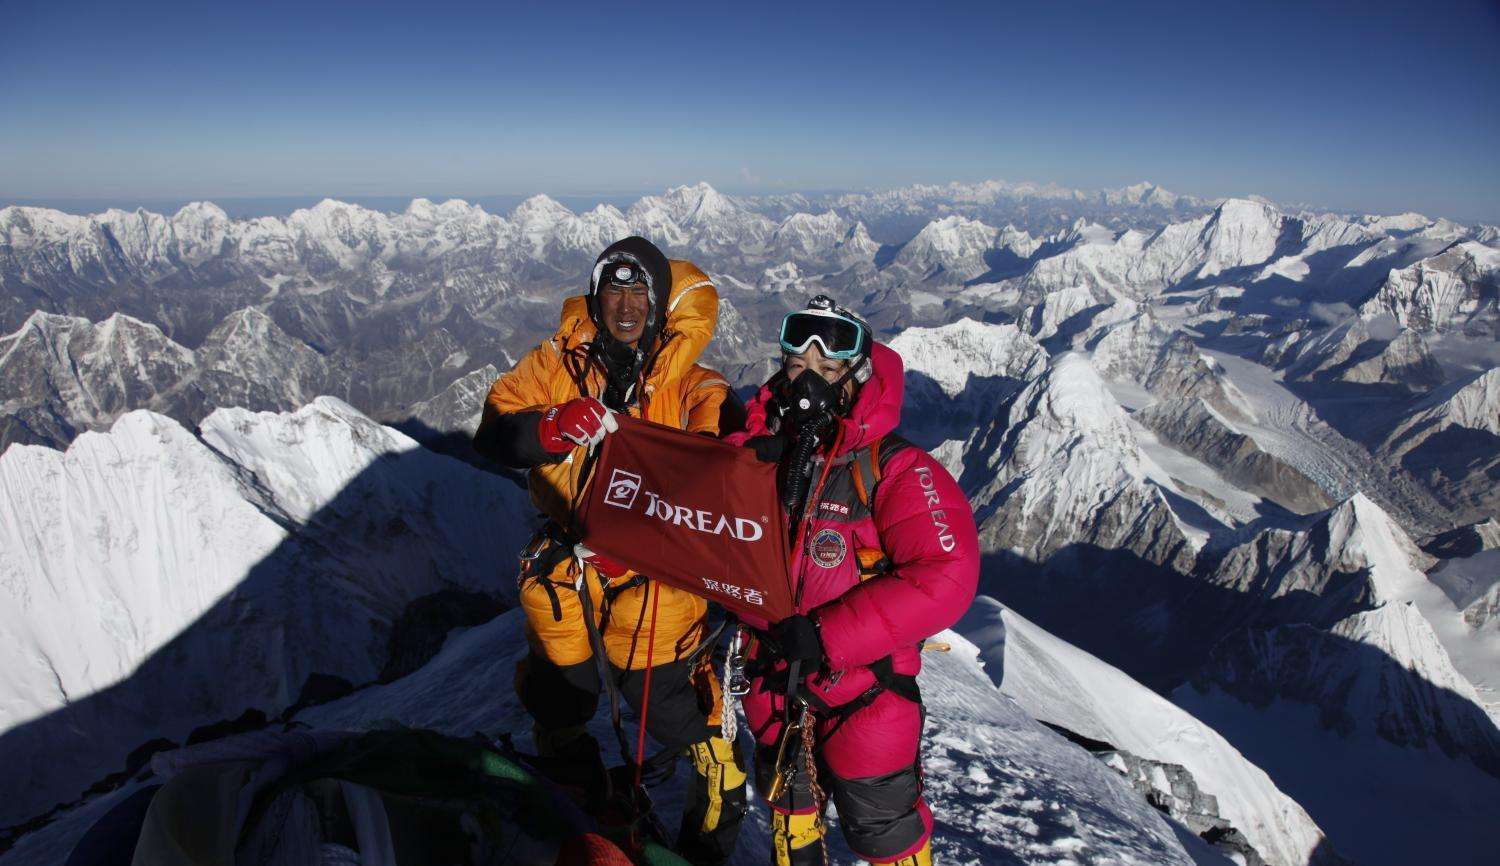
(715, 803)
(795, 838)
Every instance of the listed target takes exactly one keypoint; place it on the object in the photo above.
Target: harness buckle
(739, 684)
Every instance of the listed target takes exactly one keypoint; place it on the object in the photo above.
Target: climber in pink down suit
(885, 555)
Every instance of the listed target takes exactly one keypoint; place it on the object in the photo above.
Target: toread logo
(623, 488)
(702, 520)
(935, 508)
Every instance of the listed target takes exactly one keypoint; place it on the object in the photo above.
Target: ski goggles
(839, 337)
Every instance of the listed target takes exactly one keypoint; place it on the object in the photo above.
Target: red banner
(691, 512)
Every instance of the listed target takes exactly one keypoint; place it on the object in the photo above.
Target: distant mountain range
(1229, 461)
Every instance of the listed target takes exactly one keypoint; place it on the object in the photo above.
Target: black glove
(768, 449)
(798, 638)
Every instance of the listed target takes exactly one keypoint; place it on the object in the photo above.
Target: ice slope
(155, 581)
(1004, 789)
(1056, 682)
(109, 551)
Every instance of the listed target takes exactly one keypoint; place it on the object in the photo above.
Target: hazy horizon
(251, 207)
(1372, 108)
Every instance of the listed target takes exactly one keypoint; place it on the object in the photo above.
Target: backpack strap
(868, 465)
(867, 471)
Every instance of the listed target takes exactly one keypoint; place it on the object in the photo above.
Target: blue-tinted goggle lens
(839, 338)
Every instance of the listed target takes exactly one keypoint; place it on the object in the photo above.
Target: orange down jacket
(677, 392)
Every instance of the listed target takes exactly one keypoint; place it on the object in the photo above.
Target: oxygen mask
(808, 408)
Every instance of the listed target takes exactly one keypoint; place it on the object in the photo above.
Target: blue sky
(1368, 106)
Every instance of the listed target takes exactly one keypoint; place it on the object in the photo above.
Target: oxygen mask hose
(806, 407)
(796, 467)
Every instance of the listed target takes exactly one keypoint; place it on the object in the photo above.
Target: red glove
(583, 421)
(604, 565)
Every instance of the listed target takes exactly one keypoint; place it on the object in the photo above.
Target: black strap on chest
(549, 548)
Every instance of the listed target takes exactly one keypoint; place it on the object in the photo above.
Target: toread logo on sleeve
(935, 508)
(625, 486)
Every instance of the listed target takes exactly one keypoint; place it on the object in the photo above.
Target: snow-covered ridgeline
(1063, 467)
(156, 581)
(1058, 683)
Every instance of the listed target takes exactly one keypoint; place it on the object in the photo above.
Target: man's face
(624, 310)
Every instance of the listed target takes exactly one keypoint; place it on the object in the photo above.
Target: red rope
(640, 742)
(817, 492)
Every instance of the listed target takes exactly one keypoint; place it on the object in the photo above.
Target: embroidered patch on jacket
(828, 548)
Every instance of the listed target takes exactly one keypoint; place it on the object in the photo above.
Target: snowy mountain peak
(45, 323)
(859, 237)
(699, 203)
(1071, 399)
(951, 354)
(539, 210)
(1454, 290)
(1362, 536)
(954, 243)
(1240, 232)
(251, 322)
(331, 206)
(200, 211)
(121, 348)
(1245, 212)
(1068, 470)
(1477, 404)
